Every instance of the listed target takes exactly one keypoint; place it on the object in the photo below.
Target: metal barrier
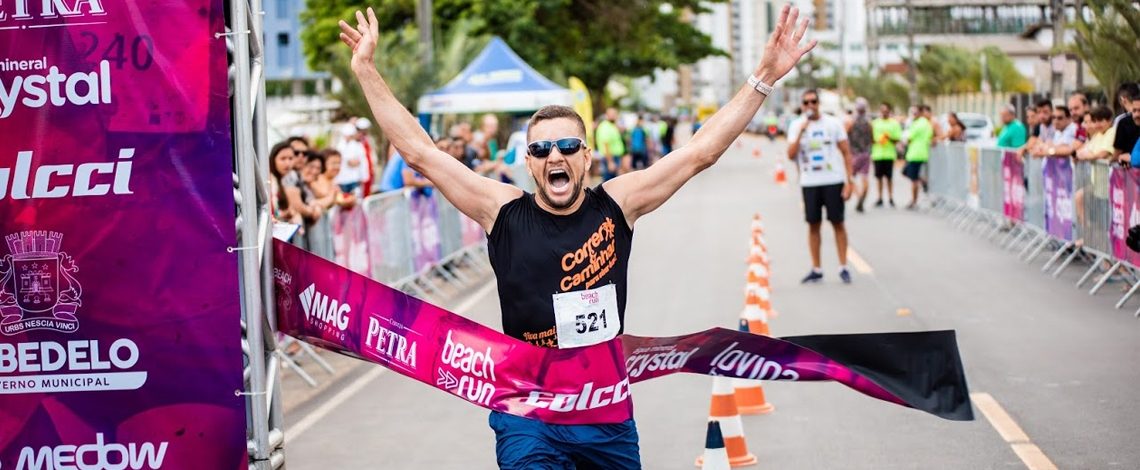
(1070, 212)
(389, 236)
(990, 184)
(1034, 194)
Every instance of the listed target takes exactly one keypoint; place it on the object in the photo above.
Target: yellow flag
(584, 107)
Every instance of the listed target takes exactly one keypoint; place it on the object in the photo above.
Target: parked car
(979, 127)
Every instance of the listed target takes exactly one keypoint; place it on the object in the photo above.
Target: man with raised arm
(566, 243)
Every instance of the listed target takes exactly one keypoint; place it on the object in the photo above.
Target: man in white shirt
(1063, 140)
(819, 146)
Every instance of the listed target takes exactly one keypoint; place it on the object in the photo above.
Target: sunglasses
(566, 146)
(806, 102)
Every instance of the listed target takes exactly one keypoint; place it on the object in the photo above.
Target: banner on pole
(119, 304)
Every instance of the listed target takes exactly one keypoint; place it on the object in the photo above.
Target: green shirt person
(1013, 134)
(885, 132)
(919, 136)
(611, 145)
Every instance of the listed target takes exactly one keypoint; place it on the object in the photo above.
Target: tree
(404, 73)
(591, 39)
(878, 89)
(815, 71)
(1107, 42)
(950, 69)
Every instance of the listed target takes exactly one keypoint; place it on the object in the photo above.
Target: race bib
(587, 317)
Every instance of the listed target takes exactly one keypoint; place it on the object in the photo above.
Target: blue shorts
(522, 443)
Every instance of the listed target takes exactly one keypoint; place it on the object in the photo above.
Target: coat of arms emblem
(37, 289)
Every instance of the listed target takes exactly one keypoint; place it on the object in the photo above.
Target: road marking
(860, 264)
(295, 431)
(902, 311)
(1027, 451)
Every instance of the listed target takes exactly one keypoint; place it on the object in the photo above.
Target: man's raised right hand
(362, 39)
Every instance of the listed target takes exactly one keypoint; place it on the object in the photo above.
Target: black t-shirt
(536, 254)
(1127, 132)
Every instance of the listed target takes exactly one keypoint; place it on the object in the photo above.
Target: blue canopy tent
(496, 81)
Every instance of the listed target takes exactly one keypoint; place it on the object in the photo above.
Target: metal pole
(250, 264)
(424, 14)
(1057, 64)
(873, 37)
(912, 70)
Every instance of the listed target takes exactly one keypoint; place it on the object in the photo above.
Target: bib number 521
(585, 322)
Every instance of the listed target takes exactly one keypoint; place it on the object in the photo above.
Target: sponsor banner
(472, 232)
(332, 307)
(119, 304)
(350, 239)
(425, 230)
(1058, 182)
(1124, 200)
(1013, 185)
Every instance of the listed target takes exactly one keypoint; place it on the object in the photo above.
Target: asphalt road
(1059, 362)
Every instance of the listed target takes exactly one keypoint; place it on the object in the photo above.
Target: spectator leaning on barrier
(1063, 141)
(1078, 108)
(281, 169)
(326, 182)
(1012, 130)
(290, 196)
(919, 136)
(1128, 132)
(887, 132)
(314, 191)
(1098, 122)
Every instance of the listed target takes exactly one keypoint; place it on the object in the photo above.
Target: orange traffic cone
(749, 394)
(757, 225)
(716, 457)
(756, 152)
(781, 175)
(755, 314)
(723, 409)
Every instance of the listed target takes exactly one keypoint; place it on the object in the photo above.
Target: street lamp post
(911, 72)
(423, 23)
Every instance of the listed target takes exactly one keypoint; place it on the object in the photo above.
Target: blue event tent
(496, 81)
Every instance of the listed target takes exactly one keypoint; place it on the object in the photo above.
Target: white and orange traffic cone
(756, 152)
(723, 409)
(755, 315)
(757, 224)
(781, 175)
(716, 457)
(757, 283)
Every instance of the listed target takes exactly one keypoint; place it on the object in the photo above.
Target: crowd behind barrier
(411, 239)
(1077, 209)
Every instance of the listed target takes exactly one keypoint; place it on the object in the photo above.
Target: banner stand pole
(263, 414)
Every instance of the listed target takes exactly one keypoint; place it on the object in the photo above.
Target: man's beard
(576, 192)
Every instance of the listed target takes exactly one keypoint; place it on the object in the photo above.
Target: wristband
(764, 88)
